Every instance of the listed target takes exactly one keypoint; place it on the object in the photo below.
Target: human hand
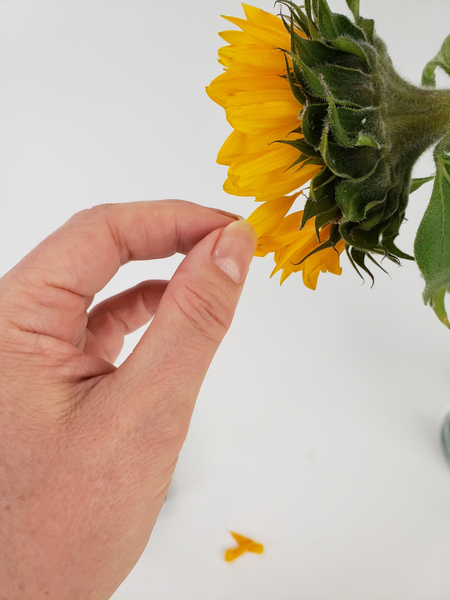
(87, 450)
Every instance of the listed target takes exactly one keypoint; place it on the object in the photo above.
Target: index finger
(87, 251)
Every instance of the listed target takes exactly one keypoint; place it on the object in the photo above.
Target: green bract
(367, 126)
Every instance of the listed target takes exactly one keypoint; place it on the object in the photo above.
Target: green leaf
(438, 305)
(442, 59)
(432, 244)
(418, 182)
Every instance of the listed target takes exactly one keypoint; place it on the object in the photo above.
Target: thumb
(193, 316)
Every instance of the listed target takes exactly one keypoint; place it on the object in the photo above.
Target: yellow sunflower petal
(258, 119)
(252, 55)
(262, 34)
(250, 170)
(268, 216)
(235, 38)
(262, 17)
(272, 185)
(239, 145)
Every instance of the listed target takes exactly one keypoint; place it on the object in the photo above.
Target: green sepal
(432, 244)
(312, 52)
(333, 215)
(320, 178)
(364, 240)
(345, 44)
(356, 126)
(302, 146)
(389, 234)
(328, 188)
(317, 207)
(296, 89)
(437, 302)
(349, 163)
(349, 87)
(314, 118)
(368, 25)
(333, 25)
(310, 12)
(357, 257)
(354, 7)
(330, 243)
(297, 16)
(305, 160)
(355, 198)
(418, 182)
(308, 9)
(299, 80)
(442, 59)
(371, 221)
(315, 53)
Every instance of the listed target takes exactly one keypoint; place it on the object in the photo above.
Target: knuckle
(207, 310)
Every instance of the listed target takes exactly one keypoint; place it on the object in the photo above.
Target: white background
(317, 428)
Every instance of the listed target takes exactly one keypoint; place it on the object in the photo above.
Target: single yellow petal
(245, 545)
(252, 168)
(235, 38)
(258, 119)
(256, 548)
(239, 145)
(240, 539)
(234, 553)
(265, 96)
(262, 34)
(268, 216)
(276, 184)
(262, 17)
(251, 55)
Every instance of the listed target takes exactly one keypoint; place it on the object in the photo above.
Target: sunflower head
(313, 97)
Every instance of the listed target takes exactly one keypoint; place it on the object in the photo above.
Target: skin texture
(87, 450)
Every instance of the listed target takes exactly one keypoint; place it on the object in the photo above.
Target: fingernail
(234, 250)
(228, 214)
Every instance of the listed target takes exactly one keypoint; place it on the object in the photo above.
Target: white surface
(316, 431)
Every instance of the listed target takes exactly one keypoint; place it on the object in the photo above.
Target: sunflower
(265, 114)
(319, 114)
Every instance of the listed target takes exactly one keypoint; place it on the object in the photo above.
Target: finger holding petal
(83, 255)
